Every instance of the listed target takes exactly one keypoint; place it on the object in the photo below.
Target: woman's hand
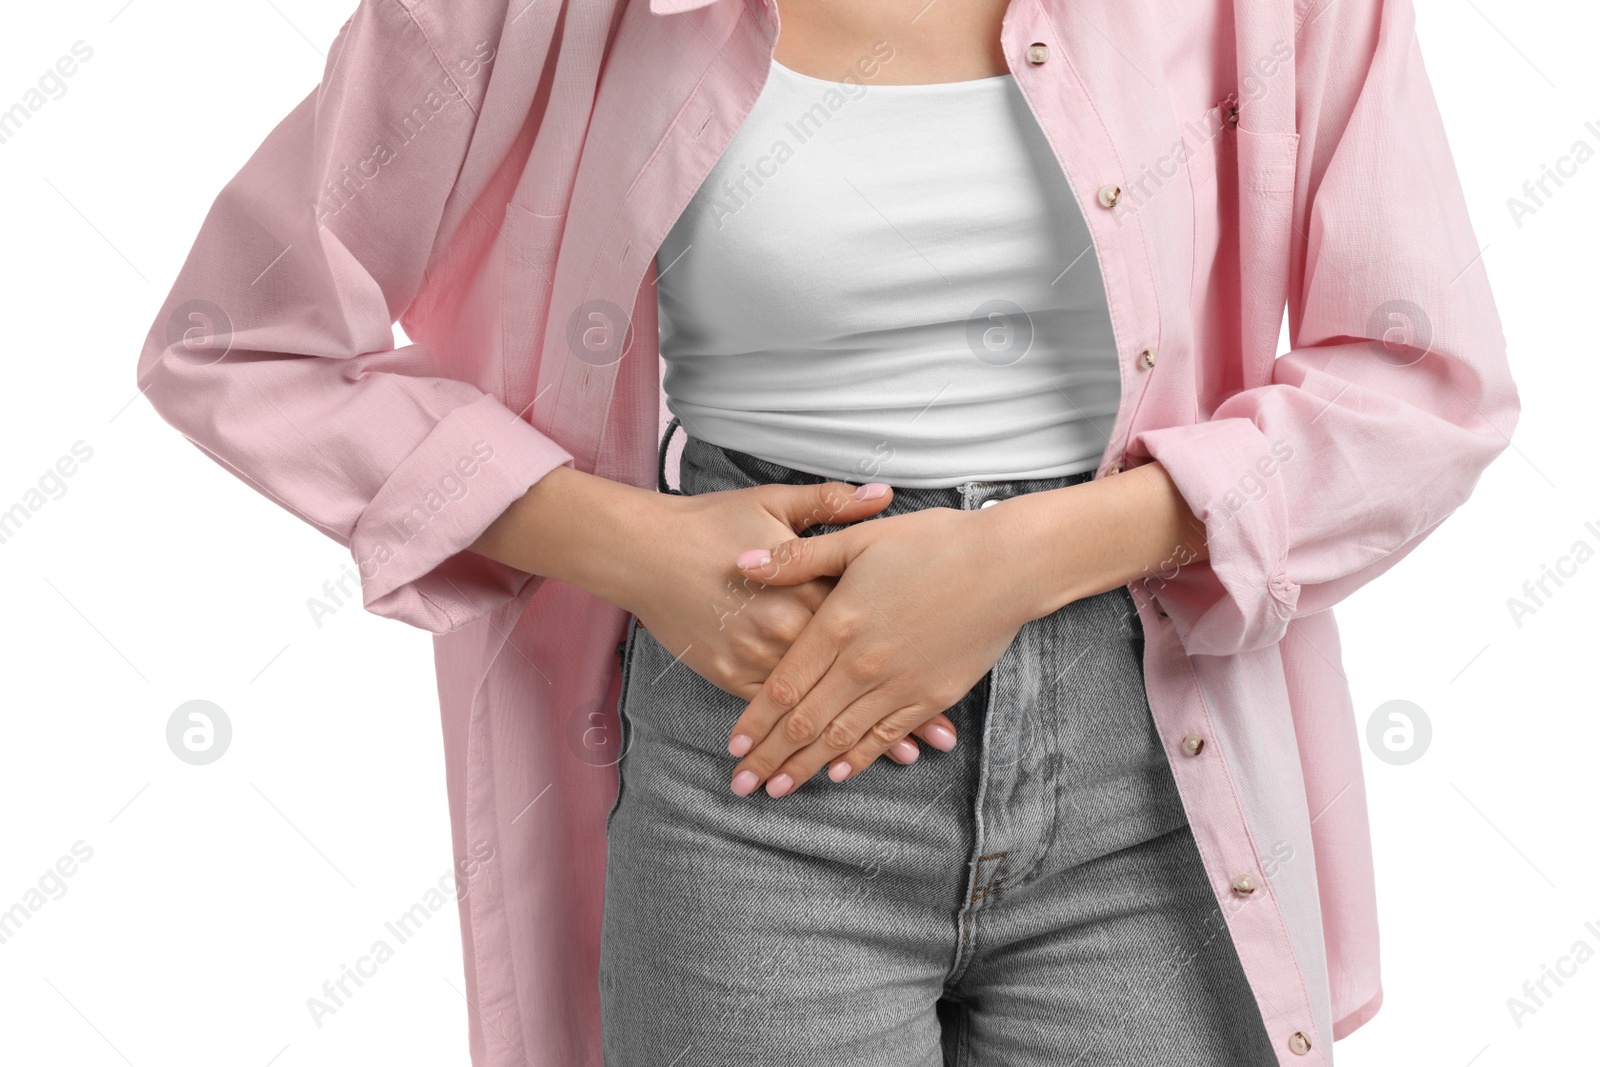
(926, 603)
(668, 559)
(730, 627)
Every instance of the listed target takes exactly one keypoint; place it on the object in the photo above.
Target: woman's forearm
(1085, 539)
(1077, 541)
(573, 526)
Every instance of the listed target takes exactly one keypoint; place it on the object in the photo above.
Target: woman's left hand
(926, 603)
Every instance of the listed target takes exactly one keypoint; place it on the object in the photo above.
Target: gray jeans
(1033, 897)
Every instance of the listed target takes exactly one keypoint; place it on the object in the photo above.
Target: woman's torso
(888, 277)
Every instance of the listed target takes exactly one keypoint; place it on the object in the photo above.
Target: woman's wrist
(578, 528)
(1085, 539)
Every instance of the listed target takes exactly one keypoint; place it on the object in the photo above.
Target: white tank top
(889, 282)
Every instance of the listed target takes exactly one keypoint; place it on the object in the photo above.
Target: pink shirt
(498, 176)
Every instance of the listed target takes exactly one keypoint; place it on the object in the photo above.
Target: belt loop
(661, 461)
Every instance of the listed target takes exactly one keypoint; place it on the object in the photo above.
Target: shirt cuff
(410, 543)
(1240, 597)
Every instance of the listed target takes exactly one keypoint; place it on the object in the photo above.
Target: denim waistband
(709, 467)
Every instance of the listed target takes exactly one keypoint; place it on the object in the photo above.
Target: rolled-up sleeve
(1396, 392)
(274, 351)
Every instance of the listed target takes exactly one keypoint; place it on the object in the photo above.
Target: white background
(218, 899)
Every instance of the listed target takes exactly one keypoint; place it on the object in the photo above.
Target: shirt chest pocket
(1267, 160)
(1265, 164)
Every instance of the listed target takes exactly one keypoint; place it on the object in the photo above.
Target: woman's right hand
(669, 560)
(728, 627)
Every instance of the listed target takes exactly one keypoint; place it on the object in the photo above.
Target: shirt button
(1148, 358)
(991, 502)
(1193, 744)
(1037, 52)
(1299, 1043)
(1115, 468)
(1109, 195)
(1244, 885)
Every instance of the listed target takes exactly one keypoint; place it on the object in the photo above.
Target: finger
(814, 592)
(800, 559)
(876, 741)
(813, 717)
(804, 506)
(790, 680)
(849, 728)
(813, 723)
(938, 731)
(905, 752)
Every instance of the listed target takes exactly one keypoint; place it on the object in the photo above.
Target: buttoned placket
(1243, 885)
(1108, 196)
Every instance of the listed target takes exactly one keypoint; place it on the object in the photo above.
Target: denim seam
(1053, 760)
(1050, 790)
(967, 916)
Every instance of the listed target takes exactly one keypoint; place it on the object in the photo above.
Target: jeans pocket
(625, 728)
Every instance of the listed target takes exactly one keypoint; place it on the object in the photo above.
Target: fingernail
(745, 782)
(739, 745)
(939, 737)
(839, 770)
(779, 785)
(906, 749)
(871, 491)
(756, 557)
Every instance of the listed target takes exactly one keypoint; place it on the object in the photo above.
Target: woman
(1140, 836)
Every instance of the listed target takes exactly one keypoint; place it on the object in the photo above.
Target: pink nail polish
(840, 770)
(871, 491)
(755, 557)
(745, 782)
(906, 749)
(740, 744)
(940, 738)
(779, 785)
